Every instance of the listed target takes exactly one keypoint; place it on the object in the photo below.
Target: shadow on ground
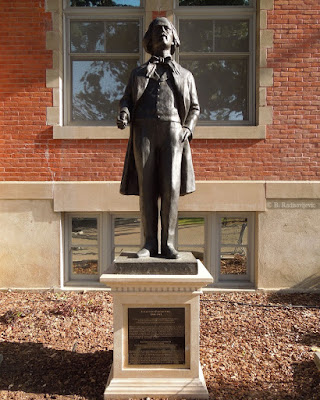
(33, 368)
(306, 386)
(294, 299)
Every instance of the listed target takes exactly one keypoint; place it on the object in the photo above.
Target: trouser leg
(170, 162)
(145, 159)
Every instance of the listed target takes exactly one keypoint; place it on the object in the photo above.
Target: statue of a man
(161, 104)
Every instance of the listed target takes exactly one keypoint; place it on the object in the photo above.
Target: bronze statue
(161, 104)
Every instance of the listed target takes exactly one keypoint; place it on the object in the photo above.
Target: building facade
(254, 219)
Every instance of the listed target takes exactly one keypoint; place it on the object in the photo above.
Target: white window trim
(211, 246)
(55, 81)
(234, 280)
(105, 222)
(69, 277)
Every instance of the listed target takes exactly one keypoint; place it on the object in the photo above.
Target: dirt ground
(253, 345)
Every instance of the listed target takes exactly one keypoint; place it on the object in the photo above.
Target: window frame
(55, 78)
(68, 275)
(212, 245)
(92, 14)
(105, 231)
(226, 13)
(248, 278)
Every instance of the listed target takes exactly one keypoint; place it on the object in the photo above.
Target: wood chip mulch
(253, 345)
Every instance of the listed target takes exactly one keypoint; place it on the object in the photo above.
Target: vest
(158, 100)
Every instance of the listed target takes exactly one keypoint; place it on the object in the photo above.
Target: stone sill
(201, 132)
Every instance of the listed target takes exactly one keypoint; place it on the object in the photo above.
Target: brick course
(290, 152)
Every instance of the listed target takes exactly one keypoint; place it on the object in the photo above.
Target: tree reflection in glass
(215, 2)
(105, 3)
(222, 86)
(97, 87)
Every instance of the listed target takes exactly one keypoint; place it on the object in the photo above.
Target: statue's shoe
(170, 252)
(147, 251)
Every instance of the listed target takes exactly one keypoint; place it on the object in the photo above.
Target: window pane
(196, 35)
(233, 261)
(222, 86)
(191, 236)
(84, 231)
(87, 37)
(105, 3)
(203, 35)
(122, 37)
(97, 87)
(127, 235)
(231, 36)
(191, 231)
(85, 260)
(215, 2)
(234, 231)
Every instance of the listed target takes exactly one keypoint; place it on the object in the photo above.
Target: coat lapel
(142, 82)
(179, 80)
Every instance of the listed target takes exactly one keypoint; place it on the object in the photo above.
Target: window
(83, 243)
(103, 45)
(224, 242)
(191, 236)
(217, 46)
(126, 235)
(235, 248)
(92, 241)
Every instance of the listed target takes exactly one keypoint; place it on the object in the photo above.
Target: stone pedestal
(156, 332)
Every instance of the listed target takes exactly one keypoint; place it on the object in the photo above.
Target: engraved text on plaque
(156, 336)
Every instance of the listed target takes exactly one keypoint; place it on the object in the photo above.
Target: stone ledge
(201, 132)
(293, 190)
(26, 190)
(179, 388)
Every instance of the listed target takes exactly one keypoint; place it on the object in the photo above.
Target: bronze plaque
(156, 336)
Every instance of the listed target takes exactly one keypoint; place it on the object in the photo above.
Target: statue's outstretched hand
(122, 120)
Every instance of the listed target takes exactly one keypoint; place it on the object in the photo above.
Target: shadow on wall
(33, 368)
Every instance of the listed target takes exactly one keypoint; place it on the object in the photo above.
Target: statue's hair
(147, 39)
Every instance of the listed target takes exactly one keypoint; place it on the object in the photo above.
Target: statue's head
(161, 32)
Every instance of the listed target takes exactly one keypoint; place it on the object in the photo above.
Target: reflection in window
(104, 37)
(191, 236)
(101, 57)
(234, 246)
(127, 235)
(222, 86)
(105, 3)
(84, 246)
(219, 52)
(215, 2)
(214, 35)
(97, 87)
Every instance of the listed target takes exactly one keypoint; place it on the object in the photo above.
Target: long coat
(188, 108)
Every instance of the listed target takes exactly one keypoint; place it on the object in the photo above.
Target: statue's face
(162, 35)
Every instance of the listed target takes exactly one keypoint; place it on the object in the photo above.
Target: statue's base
(177, 388)
(129, 264)
(156, 334)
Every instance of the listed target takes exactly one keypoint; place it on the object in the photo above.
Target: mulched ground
(253, 345)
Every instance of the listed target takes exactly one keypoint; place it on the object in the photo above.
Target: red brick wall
(290, 152)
